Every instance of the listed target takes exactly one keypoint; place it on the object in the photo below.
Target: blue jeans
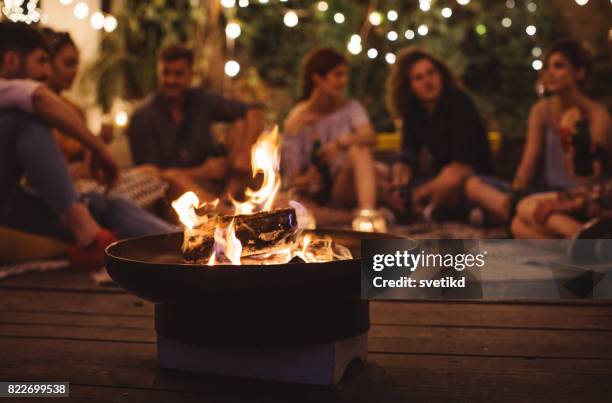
(27, 147)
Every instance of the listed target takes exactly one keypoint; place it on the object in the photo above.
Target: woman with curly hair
(438, 117)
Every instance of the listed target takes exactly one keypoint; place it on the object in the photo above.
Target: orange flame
(233, 247)
(227, 245)
(265, 160)
(186, 206)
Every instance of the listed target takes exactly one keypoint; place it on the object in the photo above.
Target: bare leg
(563, 225)
(343, 189)
(557, 225)
(357, 179)
(80, 222)
(488, 197)
(520, 229)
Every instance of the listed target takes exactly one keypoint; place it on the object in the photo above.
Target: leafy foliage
(495, 65)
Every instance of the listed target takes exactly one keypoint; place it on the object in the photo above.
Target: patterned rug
(14, 269)
(448, 230)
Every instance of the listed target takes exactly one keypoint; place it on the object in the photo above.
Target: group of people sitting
(445, 167)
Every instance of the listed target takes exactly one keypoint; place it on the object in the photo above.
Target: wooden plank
(385, 339)
(386, 377)
(128, 365)
(63, 279)
(473, 314)
(105, 394)
(104, 321)
(73, 302)
(479, 379)
(64, 332)
(478, 314)
(491, 342)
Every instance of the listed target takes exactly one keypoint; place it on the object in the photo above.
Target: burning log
(261, 232)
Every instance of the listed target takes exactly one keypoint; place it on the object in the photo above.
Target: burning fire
(265, 159)
(227, 248)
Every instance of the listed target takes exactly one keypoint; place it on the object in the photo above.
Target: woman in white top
(328, 138)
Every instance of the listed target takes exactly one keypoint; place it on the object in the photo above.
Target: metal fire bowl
(153, 268)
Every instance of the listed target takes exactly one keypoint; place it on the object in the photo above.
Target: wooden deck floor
(57, 326)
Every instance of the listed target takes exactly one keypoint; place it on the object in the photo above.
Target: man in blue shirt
(171, 130)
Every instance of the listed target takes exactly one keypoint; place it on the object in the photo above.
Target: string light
(232, 30)
(463, 2)
(339, 18)
(110, 23)
(322, 6)
(232, 68)
(425, 5)
(409, 34)
(422, 29)
(510, 4)
(228, 3)
(354, 47)
(446, 12)
(81, 10)
(121, 118)
(506, 22)
(390, 58)
(530, 30)
(582, 2)
(537, 64)
(375, 18)
(392, 36)
(392, 15)
(13, 10)
(372, 53)
(97, 20)
(532, 7)
(536, 52)
(243, 3)
(481, 29)
(290, 19)
(263, 1)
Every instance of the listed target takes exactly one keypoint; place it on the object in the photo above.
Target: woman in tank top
(547, 165)
(560, 118)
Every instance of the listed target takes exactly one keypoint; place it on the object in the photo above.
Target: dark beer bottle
(322, 195)
(583, 157)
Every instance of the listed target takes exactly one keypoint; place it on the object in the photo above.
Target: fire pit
(296, 322)
(254, 293)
